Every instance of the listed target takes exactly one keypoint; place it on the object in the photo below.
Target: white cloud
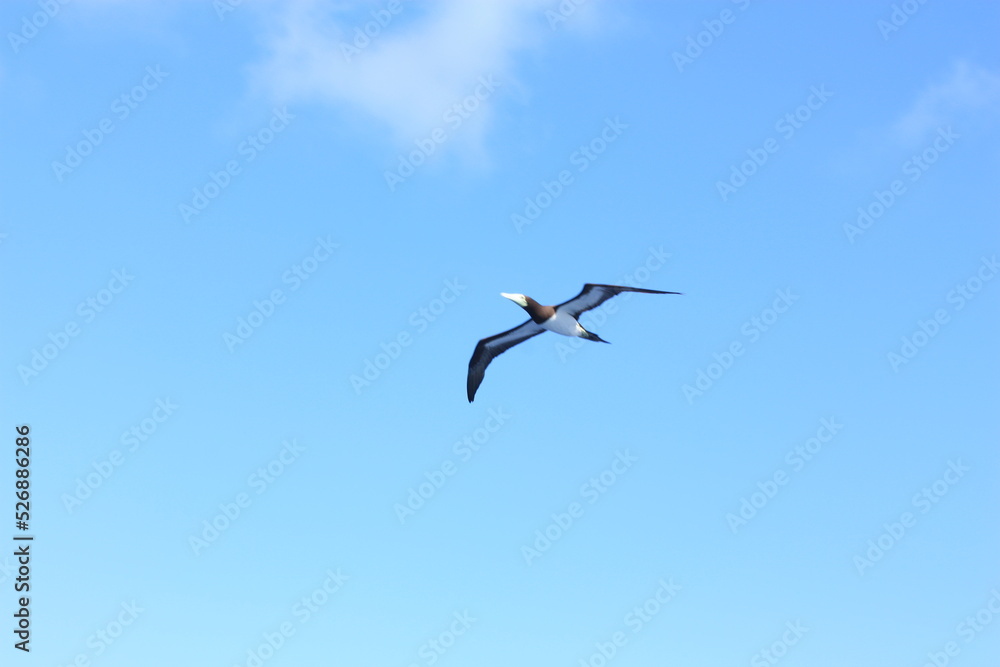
(967, 90)
(422, 61)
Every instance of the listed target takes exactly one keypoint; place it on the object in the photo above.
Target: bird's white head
(519, 299)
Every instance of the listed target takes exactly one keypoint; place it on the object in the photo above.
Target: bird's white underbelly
(561, 323)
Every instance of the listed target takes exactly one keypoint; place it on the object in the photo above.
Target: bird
(560, 319)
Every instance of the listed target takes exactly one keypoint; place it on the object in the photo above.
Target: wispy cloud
(419, 63)
(967, 91)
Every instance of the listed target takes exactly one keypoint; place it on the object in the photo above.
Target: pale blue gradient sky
(733, 174)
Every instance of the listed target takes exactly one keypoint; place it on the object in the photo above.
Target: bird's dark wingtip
(588, 335)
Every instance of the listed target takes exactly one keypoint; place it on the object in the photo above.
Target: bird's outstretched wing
(494, 346)
(594, 295)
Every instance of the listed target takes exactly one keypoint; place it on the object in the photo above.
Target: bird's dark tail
(594, 337)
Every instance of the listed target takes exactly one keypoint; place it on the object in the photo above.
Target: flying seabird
(561, 319)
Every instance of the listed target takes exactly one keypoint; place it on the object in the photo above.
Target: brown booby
(561, 319)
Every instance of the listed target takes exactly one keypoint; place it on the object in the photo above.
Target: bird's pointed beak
(519, 299)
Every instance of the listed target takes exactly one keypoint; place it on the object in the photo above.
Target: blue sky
(248, 249)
